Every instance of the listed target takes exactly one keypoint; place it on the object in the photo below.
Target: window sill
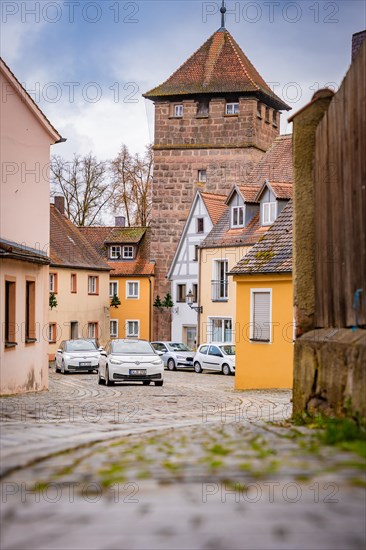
(202, 116)
(231, 116)
(31, 340)
(132, 297)
(10, 345)
(275, 125)
(259, 116)
(175, 117)
(93, 293)
(267, 122)
(220, 300)
(260, 341)
(73, 291)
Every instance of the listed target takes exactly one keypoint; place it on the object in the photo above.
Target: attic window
(128, 252)
(269, 212)
(115, 252)
(259, 110)
(237, 216)
(274, 118)
(178, 111)
(232, 109)
(200, 225)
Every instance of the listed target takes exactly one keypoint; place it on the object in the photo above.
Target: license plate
(85, 364)
(137, 371)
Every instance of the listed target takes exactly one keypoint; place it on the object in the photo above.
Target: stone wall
(330, 374)
(226, 146)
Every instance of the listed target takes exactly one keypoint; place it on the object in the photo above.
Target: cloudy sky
(86, 63)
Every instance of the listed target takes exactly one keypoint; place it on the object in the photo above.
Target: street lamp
(189, 300)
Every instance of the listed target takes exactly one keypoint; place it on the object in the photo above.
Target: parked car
(175, 354)
(94, 341)
(77, 355)
(130, 361)
(219, 357)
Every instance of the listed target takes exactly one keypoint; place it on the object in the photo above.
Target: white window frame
(53, 282)
(238, 209)
(210, 330)
(114, 335)
(52, 332)
(252, 292)
(127, 256)
(234, 106)
(115, 254)
(178, 110)
(266, 212)
(128, 335)
(133, 296)
(94, 332)
(92, 288)
(216, 279)
(202, 175)
(110, 285)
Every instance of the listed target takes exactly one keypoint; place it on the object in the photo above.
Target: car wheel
(146, 382)
(57, 369)
(108, 381)
(171, 364)
(159, 383)
(100, 379)
(225, 369)
(197, 367)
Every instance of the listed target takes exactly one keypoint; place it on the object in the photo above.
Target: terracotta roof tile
(281, 190)
(218, 66)
(215, 205)
(100, 237)
(275, 165)
(221, 235)
(249, 191)
(68, 247)
(272, 253)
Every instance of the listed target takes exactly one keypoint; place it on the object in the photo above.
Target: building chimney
(120, 221)
(357, 40)
(60, 204)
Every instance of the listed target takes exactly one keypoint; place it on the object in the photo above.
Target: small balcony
(219, 290)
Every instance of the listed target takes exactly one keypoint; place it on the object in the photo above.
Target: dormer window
(115, 252)
(269, 212)
(178, 111)
(237, 216)
(128, 252)
(203, 108)
(232, 109)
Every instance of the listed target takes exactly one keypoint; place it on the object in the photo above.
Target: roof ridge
(233, 43)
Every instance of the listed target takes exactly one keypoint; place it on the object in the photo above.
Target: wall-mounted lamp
(189, 300)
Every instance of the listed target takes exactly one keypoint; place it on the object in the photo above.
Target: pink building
(25, 139)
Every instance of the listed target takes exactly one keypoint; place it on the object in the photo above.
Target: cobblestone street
(191, 465)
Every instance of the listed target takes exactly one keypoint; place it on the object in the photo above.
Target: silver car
(215, 356)
(77, 355)
(175, 354)
(130, 361)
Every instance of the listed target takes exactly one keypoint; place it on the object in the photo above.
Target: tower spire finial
(223, 11)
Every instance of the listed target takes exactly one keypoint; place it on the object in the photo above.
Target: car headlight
(115, 362)
(157, 362)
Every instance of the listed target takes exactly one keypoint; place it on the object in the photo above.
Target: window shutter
(261, 316)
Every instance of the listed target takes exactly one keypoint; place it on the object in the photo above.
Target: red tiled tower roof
(218, 66)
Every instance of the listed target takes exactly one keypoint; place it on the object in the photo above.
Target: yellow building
(264, 304)
(131, 284)
(79, 283)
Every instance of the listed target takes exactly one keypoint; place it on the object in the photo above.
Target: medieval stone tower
(214, 118)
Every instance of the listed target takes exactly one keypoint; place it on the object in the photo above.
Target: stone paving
(192, 465)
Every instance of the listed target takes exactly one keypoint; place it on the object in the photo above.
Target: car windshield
(228, 350)
(79, 345)
(132, 348)
(178, 347)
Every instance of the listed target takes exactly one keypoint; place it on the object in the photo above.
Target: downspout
(198, 343)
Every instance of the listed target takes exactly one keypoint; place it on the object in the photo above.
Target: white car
(218, 357)
(175, 354)
(76, 356)
(130, 361)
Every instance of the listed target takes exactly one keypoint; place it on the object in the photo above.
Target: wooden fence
(340, 203)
